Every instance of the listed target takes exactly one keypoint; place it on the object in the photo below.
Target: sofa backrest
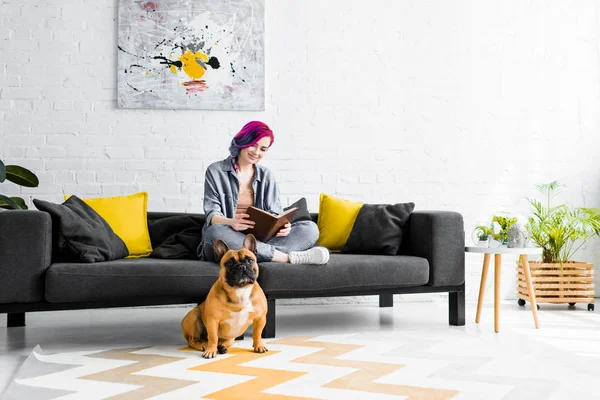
(154, 215)
(405, 247)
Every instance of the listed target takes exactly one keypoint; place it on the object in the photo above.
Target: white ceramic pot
(482, 243)
(495, 243)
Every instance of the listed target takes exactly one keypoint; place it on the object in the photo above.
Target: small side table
(498, 251)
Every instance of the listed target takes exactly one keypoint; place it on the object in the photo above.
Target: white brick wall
(461, 105)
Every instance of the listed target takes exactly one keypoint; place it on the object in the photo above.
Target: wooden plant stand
(573, 284)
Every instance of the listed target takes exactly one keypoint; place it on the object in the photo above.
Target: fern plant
(560, 230)
(20, 176)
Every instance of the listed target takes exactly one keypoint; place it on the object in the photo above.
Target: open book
(266, 225)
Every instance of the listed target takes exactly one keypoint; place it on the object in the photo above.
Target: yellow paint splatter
(146, 73)
(173, 68)
(190, 66)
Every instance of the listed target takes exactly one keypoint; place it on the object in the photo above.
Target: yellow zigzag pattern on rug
(362, 379)
(151, 385)
(367, 372)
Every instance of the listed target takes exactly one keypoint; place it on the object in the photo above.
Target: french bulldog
(234, 302)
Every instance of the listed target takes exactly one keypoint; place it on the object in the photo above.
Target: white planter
(495, 243)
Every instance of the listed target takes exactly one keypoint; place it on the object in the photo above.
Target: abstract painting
(191, 54)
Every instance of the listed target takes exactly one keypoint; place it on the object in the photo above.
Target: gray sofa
(431, 260)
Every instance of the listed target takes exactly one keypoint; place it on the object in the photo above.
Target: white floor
(63, 331)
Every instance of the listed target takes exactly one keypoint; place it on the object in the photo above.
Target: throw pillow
(379, 229)
(302, 214)
(82, 234)
(127, 216)
(176, 237)
(353, 227)
(336, 219)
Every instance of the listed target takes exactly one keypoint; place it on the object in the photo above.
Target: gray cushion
(129, 279)
(83, 235)
(379, 229)
(342, 274)
(302, 214)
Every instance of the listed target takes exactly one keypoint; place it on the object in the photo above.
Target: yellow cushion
(336, 219)
(127, 216)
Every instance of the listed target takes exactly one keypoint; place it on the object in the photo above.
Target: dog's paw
(210, 353)
(222, 349)
(260, 349)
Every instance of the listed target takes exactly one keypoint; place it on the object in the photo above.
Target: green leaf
(10, 203)
(560, 230)
(2, 172)
(21, 176)
(20, 202)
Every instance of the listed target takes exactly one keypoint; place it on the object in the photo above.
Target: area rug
(449, 363)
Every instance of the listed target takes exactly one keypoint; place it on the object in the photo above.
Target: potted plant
(482, 235)
(20, 176)
(500, 226)
(560, 231)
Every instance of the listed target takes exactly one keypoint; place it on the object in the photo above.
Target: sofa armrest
(439, 237)
(25, 254)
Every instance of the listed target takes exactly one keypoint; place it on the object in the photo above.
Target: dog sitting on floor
(234, 302)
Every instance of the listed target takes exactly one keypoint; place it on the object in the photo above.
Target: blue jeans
(304, 235)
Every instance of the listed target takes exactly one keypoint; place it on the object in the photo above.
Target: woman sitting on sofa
(237, 182)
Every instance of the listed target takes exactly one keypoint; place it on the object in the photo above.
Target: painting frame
(191, 54)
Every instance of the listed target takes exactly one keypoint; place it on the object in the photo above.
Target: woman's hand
(240, 222)
(287, 228)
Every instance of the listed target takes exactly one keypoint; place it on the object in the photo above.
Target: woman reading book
(238, 182)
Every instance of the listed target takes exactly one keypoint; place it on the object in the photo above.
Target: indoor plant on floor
(560, 231)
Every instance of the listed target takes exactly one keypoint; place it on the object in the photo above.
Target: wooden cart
(573, 283)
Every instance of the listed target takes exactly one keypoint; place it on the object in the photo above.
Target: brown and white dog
(234, 302)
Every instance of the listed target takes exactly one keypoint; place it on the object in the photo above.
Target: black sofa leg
(15, 319)
(456, 308)
(269, 330)
(386, 300)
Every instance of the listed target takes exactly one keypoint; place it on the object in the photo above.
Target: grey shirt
(222, 189)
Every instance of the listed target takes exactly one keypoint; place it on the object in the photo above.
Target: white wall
(461, 105)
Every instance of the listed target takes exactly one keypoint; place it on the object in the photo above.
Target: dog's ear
(220, 248)
(250, 243)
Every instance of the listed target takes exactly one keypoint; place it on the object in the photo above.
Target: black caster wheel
(521, 302)
(572, 304)
(538, 306)
(590, 307)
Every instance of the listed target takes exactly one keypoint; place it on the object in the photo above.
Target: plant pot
(574, 283)
(494, 243)
(477, 241)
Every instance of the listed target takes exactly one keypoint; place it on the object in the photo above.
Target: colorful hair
(251, 133)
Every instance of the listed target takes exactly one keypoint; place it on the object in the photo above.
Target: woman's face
(255, 153)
